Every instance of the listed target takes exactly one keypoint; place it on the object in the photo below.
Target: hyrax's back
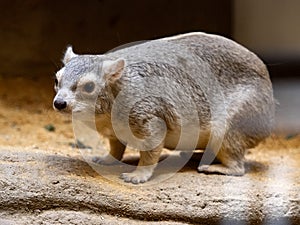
(203, 57)
(229, 85)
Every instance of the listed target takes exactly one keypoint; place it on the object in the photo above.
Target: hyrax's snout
(60, 104)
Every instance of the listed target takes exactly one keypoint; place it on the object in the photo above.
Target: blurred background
(35, 33)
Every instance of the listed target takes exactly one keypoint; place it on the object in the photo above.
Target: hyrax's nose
(60, 104)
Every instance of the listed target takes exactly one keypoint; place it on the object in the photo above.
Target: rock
(43, 187)
(50, 127)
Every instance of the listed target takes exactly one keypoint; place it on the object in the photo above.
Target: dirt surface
(45, 180)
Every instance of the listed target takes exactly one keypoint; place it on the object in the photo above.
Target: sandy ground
(31, 132)
(25, 110)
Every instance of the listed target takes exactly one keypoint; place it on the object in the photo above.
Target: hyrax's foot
(105, 160)
(221, 169)
(140, 175)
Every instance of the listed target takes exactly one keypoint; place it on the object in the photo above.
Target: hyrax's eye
(56, 82)
(89, 87)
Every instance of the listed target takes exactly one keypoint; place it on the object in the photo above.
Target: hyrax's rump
(186, 92)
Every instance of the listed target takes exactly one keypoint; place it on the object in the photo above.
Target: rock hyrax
(185, 92)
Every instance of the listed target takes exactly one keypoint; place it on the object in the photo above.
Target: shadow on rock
(65, 165)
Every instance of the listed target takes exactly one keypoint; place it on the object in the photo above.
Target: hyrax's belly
(186, 141)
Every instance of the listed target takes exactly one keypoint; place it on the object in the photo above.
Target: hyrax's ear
(112, 69)
(69, 54)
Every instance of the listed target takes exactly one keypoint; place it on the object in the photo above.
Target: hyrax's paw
(221, 169)
(140, 175)
(105, 160)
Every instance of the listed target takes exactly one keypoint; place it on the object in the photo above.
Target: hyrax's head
(82, 79)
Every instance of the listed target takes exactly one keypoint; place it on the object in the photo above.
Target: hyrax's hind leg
(230, 165)
(230, 155)
(116, 153)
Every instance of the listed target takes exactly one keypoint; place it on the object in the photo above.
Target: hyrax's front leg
(146, 165)
(148, 132)
(115, 155)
